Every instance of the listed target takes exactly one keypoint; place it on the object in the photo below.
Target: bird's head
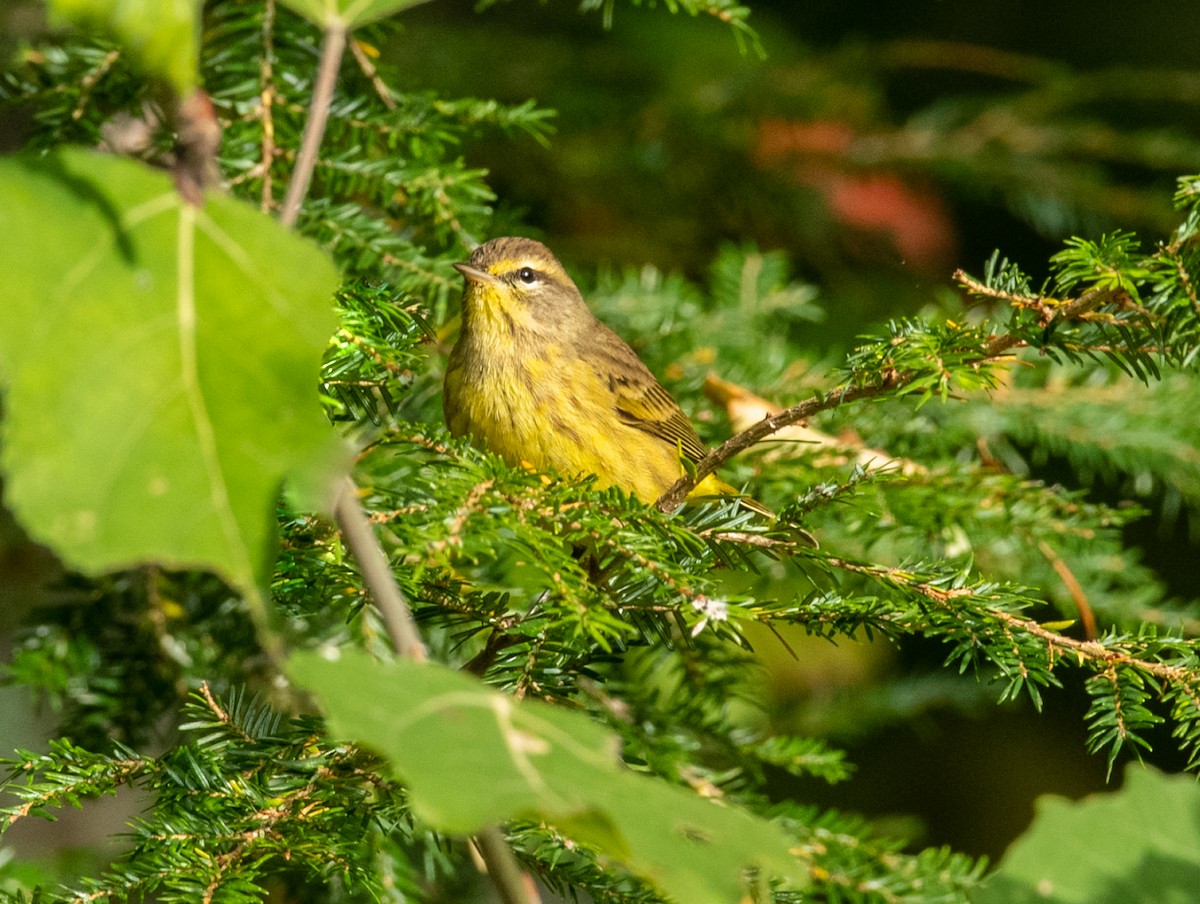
(518, 284)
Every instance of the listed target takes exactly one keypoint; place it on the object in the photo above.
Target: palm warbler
(537, 379)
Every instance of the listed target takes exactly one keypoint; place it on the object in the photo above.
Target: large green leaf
(472, 757)
(160, 363)
(348, 13)
(163, 34)
(1140, 845)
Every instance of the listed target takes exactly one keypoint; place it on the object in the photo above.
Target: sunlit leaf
(472, 757)
(1139, 845)
(160, 364)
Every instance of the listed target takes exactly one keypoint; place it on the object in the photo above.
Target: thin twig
(1095, 651)
(369, 70)
(503, 869)
(1073, 587)
(995, 347)
(739, 442)
(332, 47)
(377, 573)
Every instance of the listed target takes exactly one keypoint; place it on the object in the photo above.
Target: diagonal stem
(332, 47)
(377, 573)
(503, 869)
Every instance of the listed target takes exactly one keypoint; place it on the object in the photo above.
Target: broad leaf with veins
(472, 757)
(159, 364)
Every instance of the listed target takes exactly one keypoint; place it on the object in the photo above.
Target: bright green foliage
(592, 610)
(135, 343)
(163, 33)
(748, 316)
(1139, 845)
(437, 727)
(287, 803)
(368, 383)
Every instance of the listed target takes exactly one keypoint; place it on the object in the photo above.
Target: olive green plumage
(537, 379)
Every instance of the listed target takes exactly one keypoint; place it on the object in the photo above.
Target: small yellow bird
(537, 379)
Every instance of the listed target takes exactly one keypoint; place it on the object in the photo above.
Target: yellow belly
(559, 419)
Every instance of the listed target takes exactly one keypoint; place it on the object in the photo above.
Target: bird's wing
(641, 402)
(649, 407)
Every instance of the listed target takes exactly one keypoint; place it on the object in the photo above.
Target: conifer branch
(1104, 656)
(72, 787)
(889, 381)
(1097, 652)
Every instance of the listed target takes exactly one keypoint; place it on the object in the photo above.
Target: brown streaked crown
(509, 254)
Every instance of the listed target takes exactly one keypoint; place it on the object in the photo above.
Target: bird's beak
(475, 275)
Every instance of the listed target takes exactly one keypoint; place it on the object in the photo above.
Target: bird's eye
(527, 275)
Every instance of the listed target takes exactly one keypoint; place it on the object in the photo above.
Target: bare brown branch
(377, 573)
